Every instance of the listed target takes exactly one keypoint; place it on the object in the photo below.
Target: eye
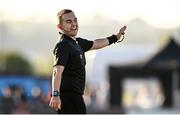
(68, 21)
(75, 20)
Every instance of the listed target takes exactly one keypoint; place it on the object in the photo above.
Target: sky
(159, 13)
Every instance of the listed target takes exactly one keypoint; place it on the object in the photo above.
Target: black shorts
(72, 103)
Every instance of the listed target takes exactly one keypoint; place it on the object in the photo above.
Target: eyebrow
(70, 19)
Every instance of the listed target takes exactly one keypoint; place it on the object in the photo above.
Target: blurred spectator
(14, 101)
(40, 101)
(7, 103)
(20, 101)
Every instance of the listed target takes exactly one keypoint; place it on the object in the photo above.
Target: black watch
(55, 93)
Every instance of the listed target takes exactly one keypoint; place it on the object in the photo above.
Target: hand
(55, 103)
(121, 32)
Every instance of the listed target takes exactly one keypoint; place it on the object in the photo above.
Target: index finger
(123, 29)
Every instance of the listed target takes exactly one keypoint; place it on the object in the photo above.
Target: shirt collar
(67, 38)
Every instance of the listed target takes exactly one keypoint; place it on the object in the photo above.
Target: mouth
(74, 29)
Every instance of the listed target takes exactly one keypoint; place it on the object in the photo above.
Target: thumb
(59, 106)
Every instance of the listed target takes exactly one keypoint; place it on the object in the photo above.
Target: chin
(73, 34)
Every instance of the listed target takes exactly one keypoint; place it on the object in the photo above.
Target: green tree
(14, 63)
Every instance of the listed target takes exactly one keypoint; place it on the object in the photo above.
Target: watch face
(55, 93)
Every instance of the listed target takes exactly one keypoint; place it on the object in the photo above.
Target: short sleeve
(85, 44)
(61, 54)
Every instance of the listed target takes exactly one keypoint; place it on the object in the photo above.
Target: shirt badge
(81, 56)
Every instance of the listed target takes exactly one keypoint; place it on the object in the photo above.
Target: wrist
(55, 93)
(112, 39)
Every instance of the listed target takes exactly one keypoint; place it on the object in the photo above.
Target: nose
(74, 23)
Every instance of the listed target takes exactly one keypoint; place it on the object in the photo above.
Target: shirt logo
(81, 56)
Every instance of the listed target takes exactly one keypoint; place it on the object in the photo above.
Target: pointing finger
(123, 29)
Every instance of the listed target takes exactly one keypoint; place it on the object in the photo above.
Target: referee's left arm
(103, 42)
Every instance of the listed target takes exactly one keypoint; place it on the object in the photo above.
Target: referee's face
(69, 24)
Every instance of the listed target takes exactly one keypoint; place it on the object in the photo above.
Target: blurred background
(139, 75)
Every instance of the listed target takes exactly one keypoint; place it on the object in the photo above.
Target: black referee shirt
(70, 54)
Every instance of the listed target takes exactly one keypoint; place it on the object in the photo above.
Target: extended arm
(100, 43)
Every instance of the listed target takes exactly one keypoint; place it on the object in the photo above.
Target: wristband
(112, 39)
(55, 93)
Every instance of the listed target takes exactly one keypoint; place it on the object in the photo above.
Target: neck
(73, 38)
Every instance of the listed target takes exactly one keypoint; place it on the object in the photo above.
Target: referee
(68, 79)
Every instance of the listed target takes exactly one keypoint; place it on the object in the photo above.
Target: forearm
(100, 43)
(56, 82)
(56, 77)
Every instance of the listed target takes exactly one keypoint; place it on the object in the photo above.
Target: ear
(59, 26)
